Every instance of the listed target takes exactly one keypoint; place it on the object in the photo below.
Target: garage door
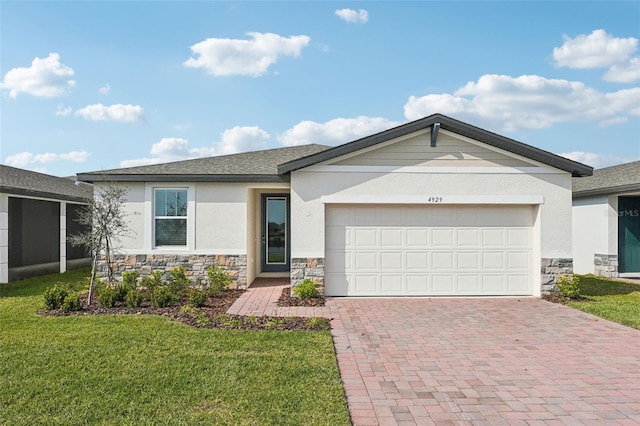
(428, 250)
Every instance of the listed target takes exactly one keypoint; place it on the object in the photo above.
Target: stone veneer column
(308, 267)
(552, 268)
(605, 265)
(196, 265)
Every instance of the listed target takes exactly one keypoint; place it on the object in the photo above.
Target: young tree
(104, 219)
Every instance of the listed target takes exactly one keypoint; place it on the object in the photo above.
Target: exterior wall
(222, 223)
(315, 186)
(595, 235)
(312, 268)
(4, 238)
(552, 269)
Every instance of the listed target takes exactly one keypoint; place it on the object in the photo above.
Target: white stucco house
(606, 222)
(432, 207)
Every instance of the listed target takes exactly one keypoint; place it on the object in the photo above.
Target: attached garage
(429, 250)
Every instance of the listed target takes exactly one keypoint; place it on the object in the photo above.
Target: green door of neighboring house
(628, 234)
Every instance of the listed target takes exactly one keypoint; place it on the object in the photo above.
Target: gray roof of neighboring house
(447, 123)
(608, 181)
(33, 184)
(256, 166)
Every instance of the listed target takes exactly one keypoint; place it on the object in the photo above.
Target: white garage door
(428, 250)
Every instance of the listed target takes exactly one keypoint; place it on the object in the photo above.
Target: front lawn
(143, 369)
(614, 300)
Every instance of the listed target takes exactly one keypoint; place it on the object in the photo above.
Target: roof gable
(452, 125)
(610, 180)
(415, 150)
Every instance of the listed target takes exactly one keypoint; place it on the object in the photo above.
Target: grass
(139, 369)
(614, 300)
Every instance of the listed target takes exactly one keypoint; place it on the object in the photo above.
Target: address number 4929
(434, 199)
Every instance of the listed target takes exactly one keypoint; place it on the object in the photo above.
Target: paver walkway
(421, 361)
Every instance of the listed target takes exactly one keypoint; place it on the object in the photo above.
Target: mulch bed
(211, 315)
(557, 297)
(287, 300)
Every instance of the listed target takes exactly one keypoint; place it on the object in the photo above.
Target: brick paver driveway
(484, 361)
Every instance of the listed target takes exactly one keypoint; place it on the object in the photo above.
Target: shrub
(197, 298)
(162, 296)
(107, 296)
(130, 279)
(307, 289)
(569, 287)
(152, 281)
(178, 282)
(54, 296)
(71, 302)
(219, 279)
(133, 298)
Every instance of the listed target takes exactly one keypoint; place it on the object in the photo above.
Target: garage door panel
(365, 237)
(429, 250)
(391, 284)
(392, 237)
(392, 260)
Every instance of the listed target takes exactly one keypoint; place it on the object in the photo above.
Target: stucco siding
(595, 230)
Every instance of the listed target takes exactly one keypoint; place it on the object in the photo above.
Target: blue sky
(100, 85)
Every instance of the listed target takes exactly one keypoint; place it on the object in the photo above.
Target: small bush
(197, 298)
(178, 282)
(54, 296)
(162, 296)
(130, 279)
(133, 298)
(152, 281)
(569, 287)
(307, 289)
(107, 296)
(219, 280)
(71, 302)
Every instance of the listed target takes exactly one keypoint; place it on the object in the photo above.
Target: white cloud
(116, 112)
(596, 50)
(334, 132)
(223, 56)
(237, 139)
(45, 77)
(30, 160)
(597, 161)
(354, 16)
(526, 102)
(627, 72)
(62, 111)
(105, 89)
(601, 50)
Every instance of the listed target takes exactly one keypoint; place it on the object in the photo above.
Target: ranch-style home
(606, 222)
(37, 214)
(432, 207)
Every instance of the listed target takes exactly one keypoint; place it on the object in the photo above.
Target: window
(171, 217)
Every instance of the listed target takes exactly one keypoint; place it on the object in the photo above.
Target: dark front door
(629, 234)
(275, 233)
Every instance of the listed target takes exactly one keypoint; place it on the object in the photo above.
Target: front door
(275, 233)
(629, 234)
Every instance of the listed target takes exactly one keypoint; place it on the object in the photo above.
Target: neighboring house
(606, 222)
(37, 213)
(432, 207)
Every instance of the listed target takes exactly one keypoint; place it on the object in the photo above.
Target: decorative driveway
(484, 361)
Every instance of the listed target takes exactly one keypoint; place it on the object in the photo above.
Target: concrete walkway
(422, 361)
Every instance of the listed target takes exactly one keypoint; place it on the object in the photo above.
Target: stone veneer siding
(605, 265)
(308, 267)
(195, 264)
(551, 271)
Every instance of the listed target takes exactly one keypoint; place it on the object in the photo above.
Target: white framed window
(170, 216)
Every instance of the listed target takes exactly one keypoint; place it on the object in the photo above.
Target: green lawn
(140, 369)
(614, 300)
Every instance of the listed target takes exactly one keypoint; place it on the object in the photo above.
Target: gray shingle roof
(256, 166)
(25, 182)
(610, 180)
